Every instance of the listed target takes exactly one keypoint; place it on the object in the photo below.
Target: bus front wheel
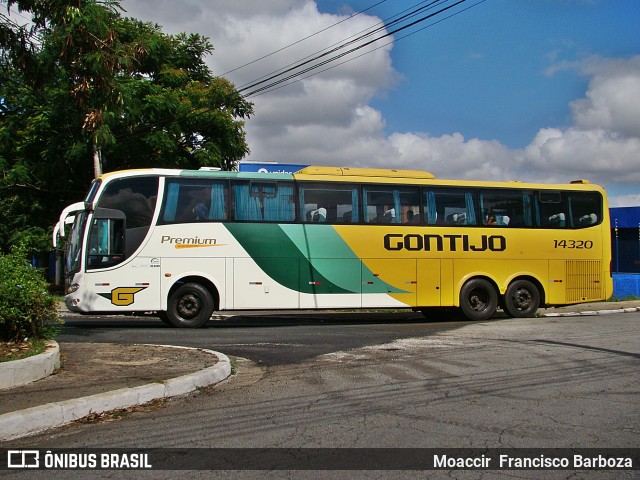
(521, 299)
(478, 299)
(190, 306)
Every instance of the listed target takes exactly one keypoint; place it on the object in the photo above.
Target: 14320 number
(587, 244)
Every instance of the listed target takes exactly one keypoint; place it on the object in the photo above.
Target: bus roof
(348, 174)
(364, 172)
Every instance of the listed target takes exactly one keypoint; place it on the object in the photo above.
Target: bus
(186, 243)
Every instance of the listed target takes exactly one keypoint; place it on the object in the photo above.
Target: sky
(530, 90)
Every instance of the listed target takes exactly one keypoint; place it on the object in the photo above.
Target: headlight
(72, 288)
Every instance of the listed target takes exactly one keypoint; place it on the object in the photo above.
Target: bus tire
(522, 299)
(478, 299)
(190, 306)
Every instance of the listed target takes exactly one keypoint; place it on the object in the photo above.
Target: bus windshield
(74, 245)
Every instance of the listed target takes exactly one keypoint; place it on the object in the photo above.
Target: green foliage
(26, 306)
(628, 298)
(33, 240)
(96, 79)
(10, 351)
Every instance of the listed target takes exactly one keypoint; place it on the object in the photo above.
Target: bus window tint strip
(202, 200)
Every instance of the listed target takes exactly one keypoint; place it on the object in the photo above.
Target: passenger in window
(319, 215)
(499, 220)
(457, 219)
(410, 216)
(557, 220)
(590, 219)
(200, 212)
(502, 220)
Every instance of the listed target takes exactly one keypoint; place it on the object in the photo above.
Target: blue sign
(270, 167)
(627, 217)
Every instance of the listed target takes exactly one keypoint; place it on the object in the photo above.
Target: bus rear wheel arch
(478, 299)
(190, 305)
(522, 298)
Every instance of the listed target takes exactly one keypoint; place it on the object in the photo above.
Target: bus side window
(264, 201)
(506, 207)
(193, 200)
(430, 211)
(550, 209)
(585, 209)
(278, 202)
(450, 206)
(391, 204)
(329, 203)
(246, 198)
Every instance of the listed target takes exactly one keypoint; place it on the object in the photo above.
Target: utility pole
(97, 158)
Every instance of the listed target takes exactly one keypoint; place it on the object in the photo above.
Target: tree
(102, 86)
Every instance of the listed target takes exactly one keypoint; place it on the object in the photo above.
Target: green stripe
(325, 264)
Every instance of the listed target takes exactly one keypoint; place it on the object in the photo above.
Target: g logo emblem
(123, 296)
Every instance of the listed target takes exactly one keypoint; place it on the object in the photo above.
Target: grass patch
(624, 299)
(234, 365)
(10, 351)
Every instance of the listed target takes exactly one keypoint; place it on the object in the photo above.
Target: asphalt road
(565, 382)
(269, 340)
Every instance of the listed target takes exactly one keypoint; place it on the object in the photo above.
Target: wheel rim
(189, 306)
(522, 299)
(478, 300)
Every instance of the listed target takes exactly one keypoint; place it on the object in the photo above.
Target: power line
(353, 39)
(374, 49)
(310, 65)
(161, 124)
(302, 39)
(342, 43)
(280, 83)
(298, 69)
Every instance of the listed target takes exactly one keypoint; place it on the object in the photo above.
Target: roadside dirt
(91, 368)
(15, 350)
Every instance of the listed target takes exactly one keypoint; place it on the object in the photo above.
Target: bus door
(118, 285)
(429, 284)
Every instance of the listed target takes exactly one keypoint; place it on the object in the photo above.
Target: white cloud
(327, 119)
(613, 99)
(451, 156)
(603, 145)
(631, 200)
(599, 155)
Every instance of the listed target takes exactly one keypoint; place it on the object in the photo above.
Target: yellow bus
(186, 243)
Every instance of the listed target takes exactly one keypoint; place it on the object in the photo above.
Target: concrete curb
(592, 312)
(27, 370)
(37, 419)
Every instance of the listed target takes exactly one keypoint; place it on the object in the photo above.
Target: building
(625, 245)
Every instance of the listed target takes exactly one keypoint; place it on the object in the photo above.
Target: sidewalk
(596, 308)
(99, 377)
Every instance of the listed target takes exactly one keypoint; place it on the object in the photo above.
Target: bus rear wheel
(478, 299)
(190, 306)
(522, 299)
